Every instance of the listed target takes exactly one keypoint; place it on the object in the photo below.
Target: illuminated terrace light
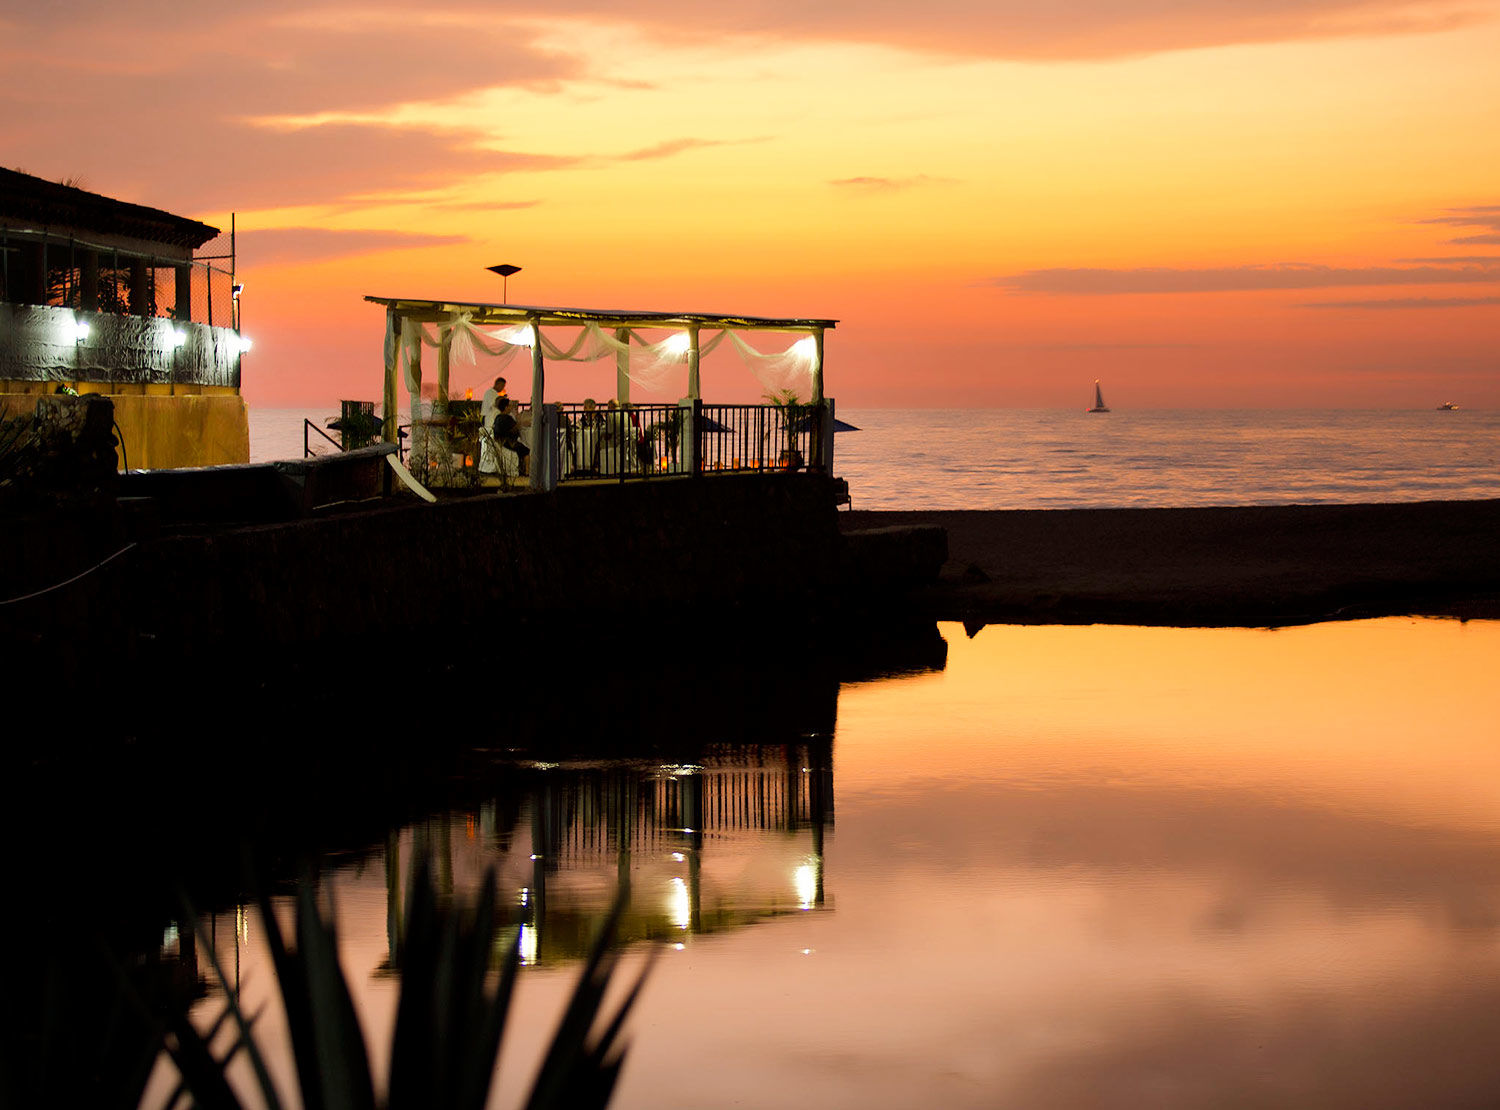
(679, 904)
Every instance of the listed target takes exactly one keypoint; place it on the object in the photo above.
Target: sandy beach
(1252, 566)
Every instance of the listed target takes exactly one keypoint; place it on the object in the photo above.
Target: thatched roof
(33, 202)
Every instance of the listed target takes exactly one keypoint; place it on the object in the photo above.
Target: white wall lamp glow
(80, 331)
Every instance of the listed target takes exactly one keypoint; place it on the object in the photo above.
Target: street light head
(505, 269)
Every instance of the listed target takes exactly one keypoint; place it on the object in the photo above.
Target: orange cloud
(296, 245)
(1236, 279)
(1410, 302)
(886, 184)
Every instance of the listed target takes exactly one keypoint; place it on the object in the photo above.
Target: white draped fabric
(788, 371)
(660, 366)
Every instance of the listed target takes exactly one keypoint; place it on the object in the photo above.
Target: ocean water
(1053, 459)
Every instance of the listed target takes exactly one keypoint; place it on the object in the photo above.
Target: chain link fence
(70, 273)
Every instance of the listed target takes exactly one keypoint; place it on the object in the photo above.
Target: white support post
(441, 440)
(694, 387)
(622, 366)
(445, 353)
(538, 373)
(419, 414)
(817, 368)
(390, 418)
(822, 443)
(543, 438)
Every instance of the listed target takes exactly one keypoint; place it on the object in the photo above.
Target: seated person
(506, 430)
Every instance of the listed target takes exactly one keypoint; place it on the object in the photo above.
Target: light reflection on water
(1078, 867)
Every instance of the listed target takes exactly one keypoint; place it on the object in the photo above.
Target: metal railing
(738, 438)
(42, 267)
(628, 443)
(644, 441)
(309, 426)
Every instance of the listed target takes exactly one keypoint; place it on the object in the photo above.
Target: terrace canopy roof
(501, 330)
(435, 311)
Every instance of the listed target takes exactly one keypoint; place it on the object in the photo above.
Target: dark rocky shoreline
(1249, 566)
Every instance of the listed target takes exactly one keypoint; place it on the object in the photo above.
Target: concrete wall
(638, 568)
(160, 426)
(40, 344)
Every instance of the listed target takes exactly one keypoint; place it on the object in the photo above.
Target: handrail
(652, 440)
(306, 449)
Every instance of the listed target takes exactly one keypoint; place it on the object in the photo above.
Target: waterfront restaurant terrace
(452, 443)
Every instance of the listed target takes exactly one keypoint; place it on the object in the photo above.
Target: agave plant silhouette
(449, 1024)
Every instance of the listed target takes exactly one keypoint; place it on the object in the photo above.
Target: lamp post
(505, 269)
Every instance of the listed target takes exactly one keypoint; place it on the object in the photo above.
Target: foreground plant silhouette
(445, 1048)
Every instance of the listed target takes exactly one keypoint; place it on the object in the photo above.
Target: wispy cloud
(387, 41)
(1236, 279)
(223, 95)
(1485, 216)
(1102, 346)
(889, 184)
(203, 81)
(485, 205)
(1410, 302)
(668, 149)
(1454, 260)
(283, 245)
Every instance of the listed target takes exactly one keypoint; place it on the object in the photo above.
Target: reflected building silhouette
(695, 848)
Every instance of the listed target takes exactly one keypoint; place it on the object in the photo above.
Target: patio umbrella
(804, 422)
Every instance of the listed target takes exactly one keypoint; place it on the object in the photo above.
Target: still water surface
(1072, 867)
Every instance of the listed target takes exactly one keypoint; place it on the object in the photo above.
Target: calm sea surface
(1042, 867)
(1049, 459)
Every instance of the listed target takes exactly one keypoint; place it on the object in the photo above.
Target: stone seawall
(641, 567)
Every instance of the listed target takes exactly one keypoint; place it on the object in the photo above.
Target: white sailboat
(1099, 405)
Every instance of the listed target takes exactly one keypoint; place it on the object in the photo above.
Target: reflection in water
(696, 848)
(1072, 867)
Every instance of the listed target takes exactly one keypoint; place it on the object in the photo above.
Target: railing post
(824, 446)
(691, 437)
(544, 453)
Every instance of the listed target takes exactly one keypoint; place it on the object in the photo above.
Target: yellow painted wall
(160, 429)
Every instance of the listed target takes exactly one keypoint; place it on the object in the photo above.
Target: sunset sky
(1205, 203)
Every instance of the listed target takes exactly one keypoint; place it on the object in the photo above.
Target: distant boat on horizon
(1448, 406)
(1099, 405)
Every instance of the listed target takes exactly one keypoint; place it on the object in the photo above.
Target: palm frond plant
(450, 1024)
(792, 410)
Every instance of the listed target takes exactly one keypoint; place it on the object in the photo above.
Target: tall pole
(504, 269)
